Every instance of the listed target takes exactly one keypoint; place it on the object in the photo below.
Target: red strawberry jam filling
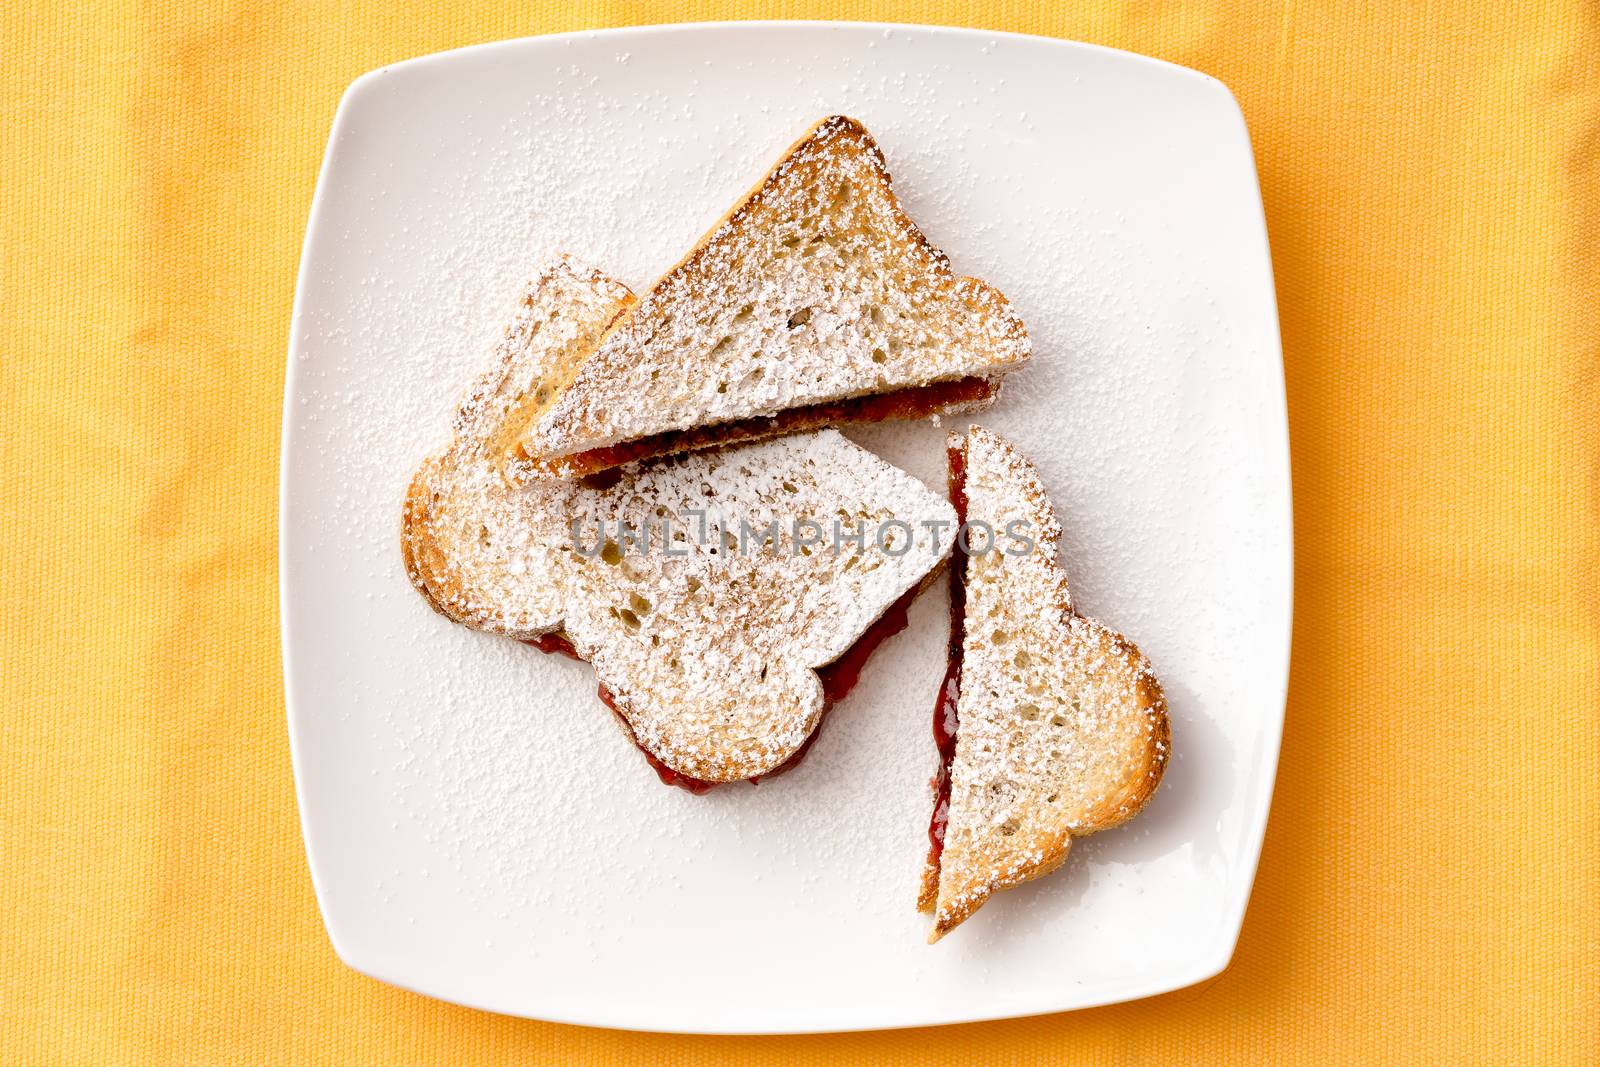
(944, 710)
(838, 678)
(916, 402)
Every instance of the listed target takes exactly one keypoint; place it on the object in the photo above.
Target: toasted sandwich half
(1050, 726)
(815, 301)
(719, 625)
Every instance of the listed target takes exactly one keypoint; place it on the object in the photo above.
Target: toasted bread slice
(815, 301)
(712, 657)
(1052, 726)
(708, 649)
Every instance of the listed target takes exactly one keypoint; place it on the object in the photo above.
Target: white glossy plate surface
(478, 829)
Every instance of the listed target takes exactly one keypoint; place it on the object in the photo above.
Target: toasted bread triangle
(709, 657)
(1061, 725)
(814, 295)
(463, 527)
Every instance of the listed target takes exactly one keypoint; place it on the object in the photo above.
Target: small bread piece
(815, 301)
(1060, 726)
(464, 529)
(707, 650)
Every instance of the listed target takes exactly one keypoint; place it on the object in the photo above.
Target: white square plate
(478, 830)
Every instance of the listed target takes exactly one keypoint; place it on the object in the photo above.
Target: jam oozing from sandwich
(945, 722)
(667, 775)
(838, 678)
(555, 643)
(913, 403)
(841, 676)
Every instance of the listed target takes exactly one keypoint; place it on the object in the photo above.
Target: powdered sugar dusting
(711, 655)
(479, 549)
(477, 830)
(705, 637)
(1063, 727)
(817, 288)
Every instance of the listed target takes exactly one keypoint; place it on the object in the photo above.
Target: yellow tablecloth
(1430, 888)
